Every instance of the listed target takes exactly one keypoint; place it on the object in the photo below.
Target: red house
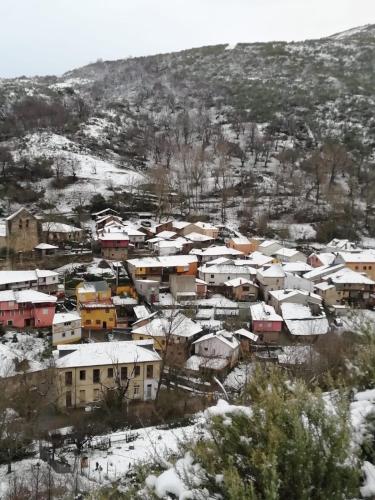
(26, 308)
(114, 245)
(265, 322)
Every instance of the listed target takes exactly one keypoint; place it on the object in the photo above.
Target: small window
(27, 222)
(88, 322)
(124, 373)
(96, 376)
(370, 267)
(137, 371)
(82, 396)
(356, 268)
(136, 390)
(96, 394)
(68, 378)
(107, 310)
(212, 276)
(82, 375)
(150, 371)
(20, 224)
(63, 334)
(72, 333)
(110, 373)
(364, 268)
(98, 322)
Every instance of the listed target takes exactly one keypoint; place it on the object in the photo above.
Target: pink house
(26, 308)
(114, 245)
(265, 322)
(321, 259)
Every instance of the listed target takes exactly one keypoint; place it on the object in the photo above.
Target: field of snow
(28, 347)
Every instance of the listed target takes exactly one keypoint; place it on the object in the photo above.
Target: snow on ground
(302, 232)
(27, 347)
(237, 378)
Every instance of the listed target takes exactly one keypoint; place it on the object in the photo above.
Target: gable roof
(274, 271)
(263, 312)
(223, 336)
(180, 326)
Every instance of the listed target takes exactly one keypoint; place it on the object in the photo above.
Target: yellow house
(361, 262)
(98, 315)
(85, 372)
(93, 291)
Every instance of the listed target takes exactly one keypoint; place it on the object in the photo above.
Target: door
(104, 324)
(68, 399)
(149, 391)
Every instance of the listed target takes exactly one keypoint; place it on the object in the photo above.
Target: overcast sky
(53, 36)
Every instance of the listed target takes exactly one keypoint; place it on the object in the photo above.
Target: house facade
(114, 246)
(87, 371)
(66, 328)
(26, 308)
(266, 323)
(20, 232)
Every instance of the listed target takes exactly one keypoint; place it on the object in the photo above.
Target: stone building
(20, 232)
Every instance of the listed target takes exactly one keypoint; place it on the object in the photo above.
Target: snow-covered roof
(263, 312)
(257, 259)
(300, 320)
(166, 235)
(220, 251)
(16, 213)
(319, 272)
(281, 295)
(92, 286)
(360, 257)
(178, 325)
(200, 282)
(114, 236)
(239, 281)
(324, 286)
(227, 269)
(180, 224)
(45, 246)
(204, 225)
(241, 240)
(164, 261)
(124, 301)
(326, 258)
(59, 227)
(338, 244)
(219, 261)
(198, 237)
(246, 333)
(348, 276)
(26, 296)
(286, 252)
(141, 312)
(60, 318)
(274, 271)
(107, 353)
(296, 267)
(268, 243)
(195, 362)
(223, 335)
(9, 277)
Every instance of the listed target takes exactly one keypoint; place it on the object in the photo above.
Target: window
(356, 268)
(27, 222)
(364, 268)
(20, 224)
(88, 322)
(63, 334)
(82, 375)
(136, 390)
(98, 322)
(72, 333)
(137, 371)
(96, 376)
(140, 338)
(96, 394)
(110, 373)
(82, 396)
(68, 378)
(124, 372)
(107, 310)
(10, 322)
(68, 399)
(212, 276)
(150, 371)
(245, 288)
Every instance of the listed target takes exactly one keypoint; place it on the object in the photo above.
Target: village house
(269, 247)
(302, 322)
(328, 293)
(241, 289)
(289, 255)
(66, 328)
(20, 232)
(297, 268)
(361, 262)
(321, 259)
(86, 371)
(148, 289)
(114, 246)
(160, 268)
(337, 245)
(242, 244)
(247, 340)
(102, 213)
(107, 220)
(318, 273)
(26, 308)
(44, 250)
(352, 287)
(57, 232)
(279, 297)
(217, 274)
(265, 322)
(214, 352)
(200, 288)
(271, 278)
(41, 279)
(215, 252)
(169, 247)
(172, 333)
(257, 260)
(198, 240)
(182, 287)
(95, 306)
(204, 228)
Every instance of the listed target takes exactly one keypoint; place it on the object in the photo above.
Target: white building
(38, 279)
(215, 351)
(217, 275)
(289, 255)
(269, 247)
(66, 328)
